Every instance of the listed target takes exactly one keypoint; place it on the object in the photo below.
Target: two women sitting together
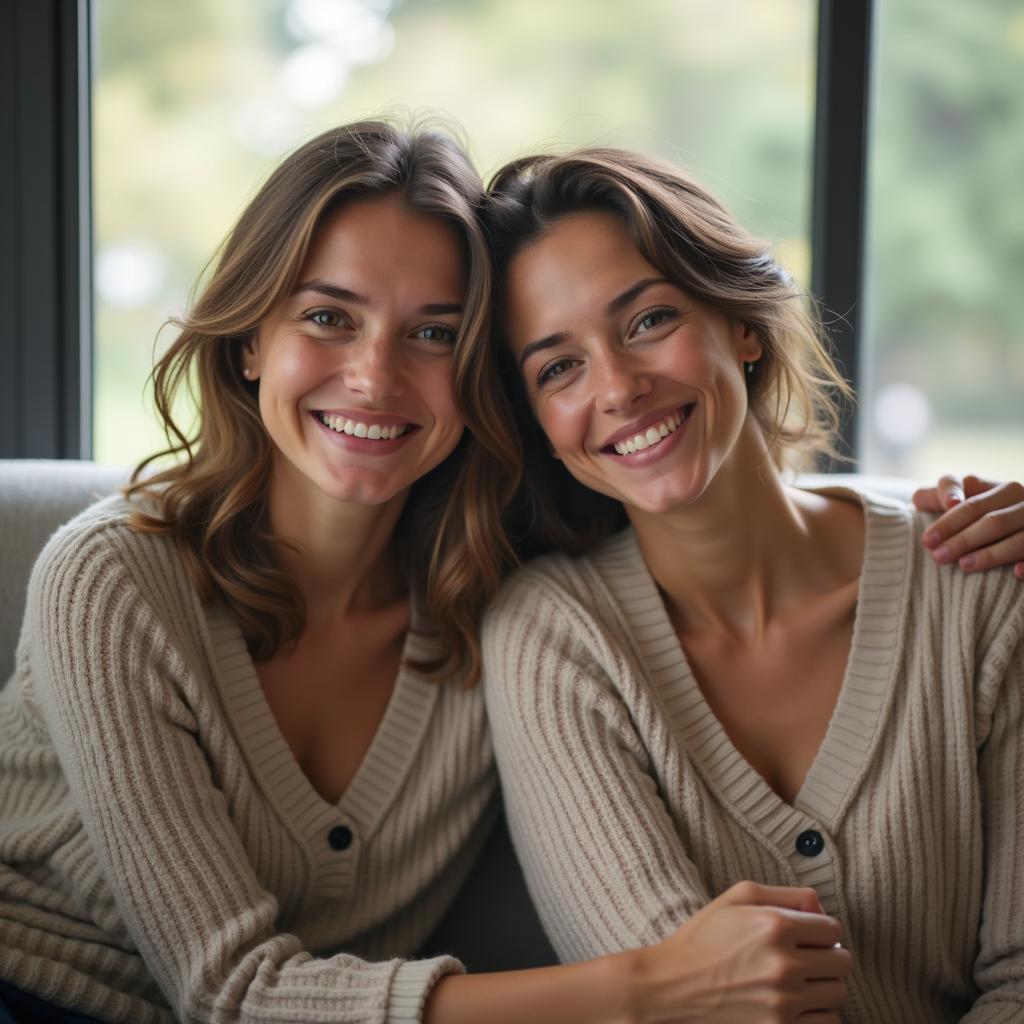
(761, 748)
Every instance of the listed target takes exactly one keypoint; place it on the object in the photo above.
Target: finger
(813, 930)
(949, 491)
(978, 485)
(818, 1017)
(825, 964)
(786, 897)
(822, 996)
(992, 527)
(927, 499)
(1004, 497)
(1004, 552)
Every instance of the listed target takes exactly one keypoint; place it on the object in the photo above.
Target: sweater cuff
(411, 985)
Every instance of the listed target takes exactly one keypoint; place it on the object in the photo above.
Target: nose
(619, 381)
(373, 366)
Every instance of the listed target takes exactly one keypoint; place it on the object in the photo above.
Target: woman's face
(355, 366)
(639, 388)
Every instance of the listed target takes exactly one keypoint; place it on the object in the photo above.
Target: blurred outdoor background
(195, 101)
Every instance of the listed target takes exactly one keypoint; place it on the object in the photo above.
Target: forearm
(597, 991)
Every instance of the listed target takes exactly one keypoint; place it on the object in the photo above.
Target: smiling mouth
(653, 435)
(369, 431)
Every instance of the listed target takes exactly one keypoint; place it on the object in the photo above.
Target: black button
(340, 837)
(810, 843)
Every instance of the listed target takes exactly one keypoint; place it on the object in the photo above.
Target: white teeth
(371, 431)
(651, 436)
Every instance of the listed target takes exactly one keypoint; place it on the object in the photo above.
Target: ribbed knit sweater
(630, 808)
(161, 851)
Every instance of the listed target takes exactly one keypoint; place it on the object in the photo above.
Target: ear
(249, 355)
(748, 345)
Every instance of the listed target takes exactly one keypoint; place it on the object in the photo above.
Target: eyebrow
(615, 306)
(347, 295)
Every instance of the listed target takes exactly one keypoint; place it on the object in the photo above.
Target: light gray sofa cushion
(37, 496)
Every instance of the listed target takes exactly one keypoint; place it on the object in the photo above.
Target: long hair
(680, 229)
(213, 500)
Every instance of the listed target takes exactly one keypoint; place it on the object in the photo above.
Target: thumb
(786, 897)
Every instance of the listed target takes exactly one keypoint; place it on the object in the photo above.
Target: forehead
(583, 260)
(382, 242)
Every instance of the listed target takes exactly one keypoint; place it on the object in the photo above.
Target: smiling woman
(750, 681)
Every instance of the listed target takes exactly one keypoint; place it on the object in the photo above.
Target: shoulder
(557, 622)
(559, 585)
(972, 619)
(98, 564)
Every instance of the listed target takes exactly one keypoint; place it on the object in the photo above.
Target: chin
(661, 500)
(360, 492)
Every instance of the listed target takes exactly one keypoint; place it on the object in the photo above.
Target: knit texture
(630, 808)
(161, 851)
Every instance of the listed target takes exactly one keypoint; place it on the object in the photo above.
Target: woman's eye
(323, 317)
(553, 371)
(651, 319)
(440, 334)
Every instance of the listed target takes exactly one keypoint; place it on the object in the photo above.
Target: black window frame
(45, 198)
(45, 248)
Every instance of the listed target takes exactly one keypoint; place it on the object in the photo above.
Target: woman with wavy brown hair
(718, 675)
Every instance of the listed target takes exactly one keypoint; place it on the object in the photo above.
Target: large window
(194, 101)
(945, 267)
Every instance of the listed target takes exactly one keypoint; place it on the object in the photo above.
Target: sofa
(492, 924)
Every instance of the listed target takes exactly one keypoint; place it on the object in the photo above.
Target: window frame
(45, 251)
(45, 194)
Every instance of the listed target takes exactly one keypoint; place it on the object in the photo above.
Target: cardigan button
(810, 843)
(339, 838)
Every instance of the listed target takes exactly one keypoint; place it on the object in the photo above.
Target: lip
(642, 424)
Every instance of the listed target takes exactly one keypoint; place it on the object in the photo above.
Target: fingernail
(953, 499)
(967, 562)
(931, 538)
(1019, 570)
(942, 555)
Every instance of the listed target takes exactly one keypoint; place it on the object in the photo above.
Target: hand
(983, 524)
(756, 954)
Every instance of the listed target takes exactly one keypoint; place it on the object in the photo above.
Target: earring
(750, 367)
(246, 373)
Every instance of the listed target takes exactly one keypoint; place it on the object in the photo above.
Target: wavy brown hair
(794, 389)
(213, 499)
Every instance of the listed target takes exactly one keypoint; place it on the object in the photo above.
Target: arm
(743, 958)
(983, 524)
(603, 860)
(999, 967)
(112, 684)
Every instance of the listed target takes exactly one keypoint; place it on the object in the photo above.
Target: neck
(340, 555)
(747, 551)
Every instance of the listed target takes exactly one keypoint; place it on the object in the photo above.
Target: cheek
(438, 390)
(564, 423)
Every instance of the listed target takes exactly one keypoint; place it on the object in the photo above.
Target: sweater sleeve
(999, 966)
(109, 676)
(602, 858)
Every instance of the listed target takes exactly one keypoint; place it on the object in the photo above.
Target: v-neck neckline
(387, 760)
(868, 681)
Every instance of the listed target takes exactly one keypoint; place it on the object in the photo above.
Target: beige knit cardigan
(630, 808)
(161, 851)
